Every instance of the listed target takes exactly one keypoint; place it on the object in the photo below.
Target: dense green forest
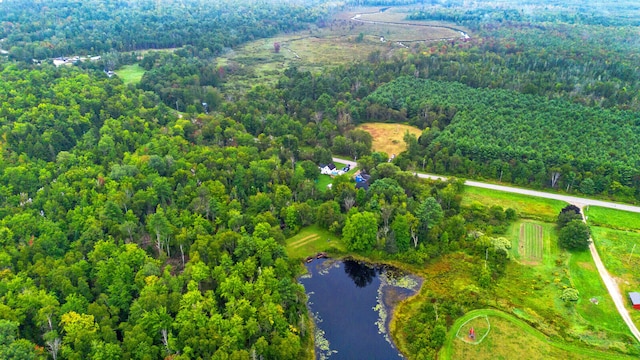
(145, 235)
(493, 132)
(56, 28)
(136, 223)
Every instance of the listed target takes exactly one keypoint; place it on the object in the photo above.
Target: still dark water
(350, 302)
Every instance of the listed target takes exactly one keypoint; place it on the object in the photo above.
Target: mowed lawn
(389, 138)
(130, 74)
(312, 240)
(510, 338)
(526, 206)
(620, 253)
(617, 219)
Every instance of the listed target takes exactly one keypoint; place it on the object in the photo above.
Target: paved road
(609, 282)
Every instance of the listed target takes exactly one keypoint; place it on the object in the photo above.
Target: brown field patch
(388, 138)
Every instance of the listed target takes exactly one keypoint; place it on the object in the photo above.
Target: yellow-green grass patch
(511, 337)
(312, 240)
(620, 253)
(616, 219)
(130, 74)
(595, 304)
(389, 138)
(474, 330)
(525, 206)
(317, 49)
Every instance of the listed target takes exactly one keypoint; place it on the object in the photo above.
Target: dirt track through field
(305, 240)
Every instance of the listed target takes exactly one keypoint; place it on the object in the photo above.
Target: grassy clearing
(319, 48)
(510, 336)
(526, 206)
(474, 330)
(611, 218)
(617, 251)
(312, 240)
(534, 291)
(402, 29)
(601, 311)
(389, 138)
(130, 74)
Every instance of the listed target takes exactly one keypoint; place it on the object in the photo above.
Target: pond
(351, 302)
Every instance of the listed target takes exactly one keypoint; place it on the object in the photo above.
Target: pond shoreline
(393, 285)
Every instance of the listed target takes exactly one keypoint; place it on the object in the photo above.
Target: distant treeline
(40, 30)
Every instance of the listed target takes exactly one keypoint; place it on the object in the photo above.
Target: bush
(570, 294)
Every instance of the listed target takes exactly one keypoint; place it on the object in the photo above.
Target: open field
(474, 330)
(389, 138)
(595, 305)
(397, 15)
(616, 219)
(530, 244)
(342, 41)
(535, 292)
(525, 206)
(311, 240)
(510, 336)
(617, 251)
(130, 74)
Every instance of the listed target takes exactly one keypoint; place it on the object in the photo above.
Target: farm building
(635, 300)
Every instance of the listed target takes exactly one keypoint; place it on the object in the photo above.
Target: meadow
(509, 336)
(389, 138)
(312, 240)
(342, 41)
(621, 256)
(611, 218)
(526, 206)
(130, 74)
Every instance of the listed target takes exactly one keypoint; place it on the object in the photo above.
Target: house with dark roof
(635, 300)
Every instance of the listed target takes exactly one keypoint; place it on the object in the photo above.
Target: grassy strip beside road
(526, 206)
(498, 341)
(611, 218)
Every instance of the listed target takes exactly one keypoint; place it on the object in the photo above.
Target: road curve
(608, 281)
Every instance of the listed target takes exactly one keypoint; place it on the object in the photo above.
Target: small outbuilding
(635, 300)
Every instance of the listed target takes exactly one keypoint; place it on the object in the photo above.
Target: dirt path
(609, 282)
(612, 286)
(358, 18)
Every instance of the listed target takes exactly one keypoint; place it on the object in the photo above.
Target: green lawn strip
(447, 349)
(311, 240)
(130, 74)
(586, 279)
(615, 219)
(525, 206)
(615, 248)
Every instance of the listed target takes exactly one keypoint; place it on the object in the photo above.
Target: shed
(635, 300)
